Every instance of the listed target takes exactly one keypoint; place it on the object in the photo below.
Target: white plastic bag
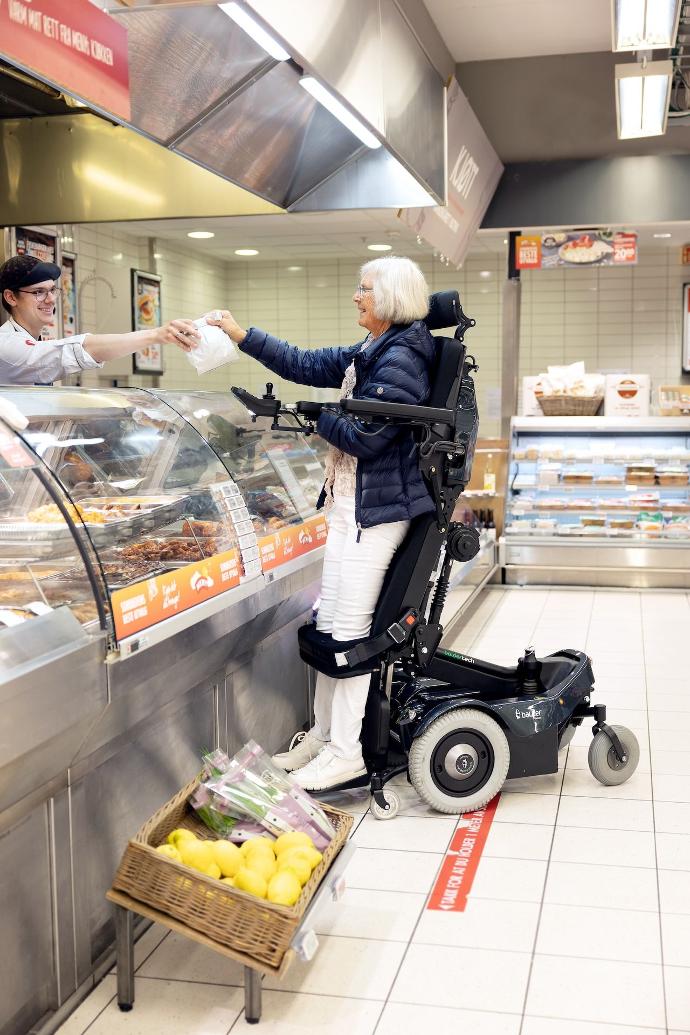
(215, 347)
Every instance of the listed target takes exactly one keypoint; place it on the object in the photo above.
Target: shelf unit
(633, 532)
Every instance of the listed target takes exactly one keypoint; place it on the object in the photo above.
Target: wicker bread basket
(570, 405)
(251, 926)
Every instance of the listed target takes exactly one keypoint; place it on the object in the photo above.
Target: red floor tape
(456, 877)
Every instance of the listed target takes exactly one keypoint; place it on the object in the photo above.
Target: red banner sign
(72, 44)
(147, 603)
(459, 867)
(292, 541)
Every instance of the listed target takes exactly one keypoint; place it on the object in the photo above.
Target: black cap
(24, 270)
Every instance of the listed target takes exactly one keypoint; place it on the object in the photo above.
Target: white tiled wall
(613, 319)
(190, 286)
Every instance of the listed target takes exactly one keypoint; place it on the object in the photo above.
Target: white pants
(352, 577)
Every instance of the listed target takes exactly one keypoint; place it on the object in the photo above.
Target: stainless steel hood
(204, 89)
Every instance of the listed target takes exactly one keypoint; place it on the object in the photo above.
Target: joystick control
(530, 668)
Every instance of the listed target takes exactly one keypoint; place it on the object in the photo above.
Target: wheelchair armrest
(394, 413)
(307, 408)
(257, 406)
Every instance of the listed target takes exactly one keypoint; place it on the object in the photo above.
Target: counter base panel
(637, 566)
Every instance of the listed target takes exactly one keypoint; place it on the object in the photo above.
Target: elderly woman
(373, 488)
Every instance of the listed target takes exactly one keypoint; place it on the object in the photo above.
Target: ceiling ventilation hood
(203, 88)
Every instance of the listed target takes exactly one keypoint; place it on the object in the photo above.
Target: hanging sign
(576, 248)
(71, 44)
(474, 170)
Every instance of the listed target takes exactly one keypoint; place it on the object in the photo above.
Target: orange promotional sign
(292, 541)
(685, 255)
(528, 253)
(147, 603)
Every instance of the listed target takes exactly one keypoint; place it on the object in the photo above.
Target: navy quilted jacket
(394, 368)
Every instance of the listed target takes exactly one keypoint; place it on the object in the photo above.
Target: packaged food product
(215, 347)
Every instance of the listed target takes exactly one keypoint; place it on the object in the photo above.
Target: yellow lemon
(284, 888)
(228, 857)
(261, 862)
(228, 880)
(257, 843)
(197, 854)
(309, 855)
(296, 838)
(170, 852)
(251, 882)
(180, 835)
(297, 865)
(213, 871)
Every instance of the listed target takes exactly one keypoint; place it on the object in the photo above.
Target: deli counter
(158, 552)
(157, 555)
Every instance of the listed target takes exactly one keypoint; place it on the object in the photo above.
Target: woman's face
(364, 300)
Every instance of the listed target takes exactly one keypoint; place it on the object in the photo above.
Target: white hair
(401, 293)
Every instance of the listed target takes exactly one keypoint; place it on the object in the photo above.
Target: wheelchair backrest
(452, 387)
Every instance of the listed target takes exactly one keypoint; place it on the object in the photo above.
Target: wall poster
(146, 314)
(70, 318)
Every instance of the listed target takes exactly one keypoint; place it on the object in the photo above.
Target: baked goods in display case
(632, 484)
(150, 490)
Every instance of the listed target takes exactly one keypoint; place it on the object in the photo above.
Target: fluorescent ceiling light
(256, 31)
(661, 235)
(329, 101)
(380, 247)
(485, 274)
(644, 24)
(642, 97)
(246, 251)
(294, 269)
(201, 235)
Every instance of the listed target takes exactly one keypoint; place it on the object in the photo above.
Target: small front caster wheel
(393, 803)
(604, 763)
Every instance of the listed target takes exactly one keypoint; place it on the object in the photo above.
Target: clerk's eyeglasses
(42, 293)
(362, 290)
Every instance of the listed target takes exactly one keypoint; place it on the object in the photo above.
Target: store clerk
(29, 292)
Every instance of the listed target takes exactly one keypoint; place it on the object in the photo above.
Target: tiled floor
(579, 918)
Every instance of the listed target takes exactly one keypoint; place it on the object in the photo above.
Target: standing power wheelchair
(459, 727)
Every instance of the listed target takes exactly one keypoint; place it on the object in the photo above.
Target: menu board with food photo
(146, 314)
(579, 248)
(69, 294)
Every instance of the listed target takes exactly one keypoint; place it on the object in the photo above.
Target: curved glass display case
(174, 497)
(278, 474)
(45, 562)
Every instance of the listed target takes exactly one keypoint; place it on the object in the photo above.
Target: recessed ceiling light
(118, 257)
(201, 235)
(158, 255)
(505, 240)
(380, 247)
(246, 251)
(485, 274)
(294, 269)
(661, 235)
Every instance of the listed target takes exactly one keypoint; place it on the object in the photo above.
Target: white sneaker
(327, 771)
(303, 747)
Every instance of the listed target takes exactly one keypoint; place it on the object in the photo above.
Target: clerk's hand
(229, 324)
(182, 333)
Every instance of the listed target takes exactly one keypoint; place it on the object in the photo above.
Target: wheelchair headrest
(444, 310)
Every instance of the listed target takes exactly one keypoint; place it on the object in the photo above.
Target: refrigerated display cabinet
(598, 501)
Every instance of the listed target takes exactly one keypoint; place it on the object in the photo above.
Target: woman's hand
(229, 324)
(182, 333)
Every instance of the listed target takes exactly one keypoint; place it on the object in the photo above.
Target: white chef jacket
(25, 360)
